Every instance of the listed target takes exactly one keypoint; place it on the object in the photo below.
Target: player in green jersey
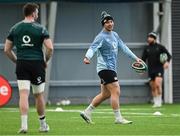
(28, 37)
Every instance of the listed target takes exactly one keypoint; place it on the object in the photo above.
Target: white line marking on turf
(133, 116)
(99, 135)
(101, 111)
(175, 115)
(98, 112)
(133, 109)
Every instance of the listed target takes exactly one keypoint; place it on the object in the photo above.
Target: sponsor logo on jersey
(26, 40)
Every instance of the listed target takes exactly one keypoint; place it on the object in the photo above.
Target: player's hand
(139, 60)
(166, 65)
(86, 61)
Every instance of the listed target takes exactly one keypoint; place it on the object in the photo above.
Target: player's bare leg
(154, 92)
(103, 95)
(114, 89)
(40, 106)
(158, 82)
(23, 107)
(153, 88)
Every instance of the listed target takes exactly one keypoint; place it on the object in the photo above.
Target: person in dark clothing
(151, 55)
(29, 38)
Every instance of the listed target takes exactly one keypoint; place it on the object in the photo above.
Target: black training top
(151, 54)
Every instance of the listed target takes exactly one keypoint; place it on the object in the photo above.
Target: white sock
(42, 120)
(117, 114)
(155, 100)
(24, 122)
(89, 109)
(159, 100)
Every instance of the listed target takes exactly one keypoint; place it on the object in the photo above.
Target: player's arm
(166, 64)
(48, 45)
(49, 49)
(167, 52)
(8, 50)
(97, 43)
(127, 51)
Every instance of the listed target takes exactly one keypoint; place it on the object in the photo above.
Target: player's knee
(158, 84)
(153, 87)
(115, 93)
(114, 86)
(39, 98)
(158, 80)
(159, 87)
(107, 96)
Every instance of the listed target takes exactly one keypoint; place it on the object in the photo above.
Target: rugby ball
(163, 58)
(139, 67)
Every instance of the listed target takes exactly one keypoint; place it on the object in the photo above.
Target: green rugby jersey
(28, 39)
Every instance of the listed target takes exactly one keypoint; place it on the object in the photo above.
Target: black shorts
(107, 76)
(33, 70)
(152, 76)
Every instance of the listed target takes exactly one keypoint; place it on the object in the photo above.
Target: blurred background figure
(157, 58)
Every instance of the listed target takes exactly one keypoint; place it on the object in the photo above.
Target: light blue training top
(106, 44)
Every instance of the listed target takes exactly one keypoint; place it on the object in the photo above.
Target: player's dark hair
(29, 8)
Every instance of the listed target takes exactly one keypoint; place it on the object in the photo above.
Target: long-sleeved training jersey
(151, 54)
(106, 44)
